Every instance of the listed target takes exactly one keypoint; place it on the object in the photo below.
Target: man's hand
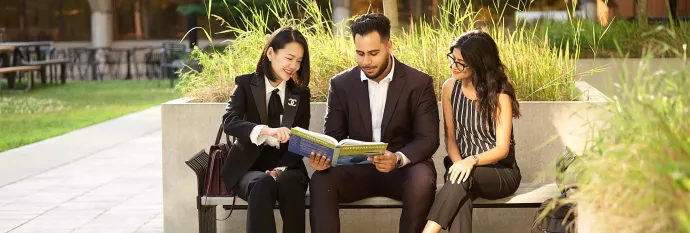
(319, 162)
(385, 162)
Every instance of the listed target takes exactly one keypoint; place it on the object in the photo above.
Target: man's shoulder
(415, 74)
(345, 76)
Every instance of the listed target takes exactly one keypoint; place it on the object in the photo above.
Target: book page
(356, 142)
(317, 135)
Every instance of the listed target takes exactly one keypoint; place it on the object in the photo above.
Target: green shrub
(636, 176)
(621, 38)
(539, 72)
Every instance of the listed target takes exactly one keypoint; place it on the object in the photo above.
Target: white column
(341, 11)
(101, 23)
(589, 7)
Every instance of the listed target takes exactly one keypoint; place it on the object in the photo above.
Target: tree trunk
(434, 11)
(642, 12)
(672, 9)
(341, 11)
(192, 36)
(390, 10)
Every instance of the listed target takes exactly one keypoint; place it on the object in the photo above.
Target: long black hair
(278, 40)
(480, 53)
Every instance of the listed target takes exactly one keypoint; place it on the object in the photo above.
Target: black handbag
(556, 216)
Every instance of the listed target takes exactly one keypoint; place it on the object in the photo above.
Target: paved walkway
(104, 178)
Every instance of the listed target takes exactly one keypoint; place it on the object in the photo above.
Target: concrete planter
(542, 132)
(586, 220)
(612, 69)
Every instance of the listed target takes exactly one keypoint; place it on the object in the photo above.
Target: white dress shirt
(378, 92)
(265, 139)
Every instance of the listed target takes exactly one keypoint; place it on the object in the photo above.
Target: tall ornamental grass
(621, 38)
(636, 176)
(538, 72)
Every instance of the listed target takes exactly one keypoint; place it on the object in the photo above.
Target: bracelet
(476, 160)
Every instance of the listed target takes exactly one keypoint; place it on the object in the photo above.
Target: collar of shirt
(270, 88)
(388, 77)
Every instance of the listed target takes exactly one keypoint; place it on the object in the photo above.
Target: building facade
(71, 20)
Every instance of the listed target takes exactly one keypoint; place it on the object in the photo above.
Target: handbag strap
(220, 132)
(217, 142)
(234, 198)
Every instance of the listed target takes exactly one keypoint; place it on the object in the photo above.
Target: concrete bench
(28, 69)
(528, 195)
(541, 134)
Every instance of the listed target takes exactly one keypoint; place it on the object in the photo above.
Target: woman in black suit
(263, 107)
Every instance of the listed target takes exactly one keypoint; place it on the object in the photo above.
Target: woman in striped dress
(479, 105)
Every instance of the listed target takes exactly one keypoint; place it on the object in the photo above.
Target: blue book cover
(345, 152)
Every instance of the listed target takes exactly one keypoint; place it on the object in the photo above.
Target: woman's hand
(319, 162)
(460, 171)
(274, 173)
(282, 133)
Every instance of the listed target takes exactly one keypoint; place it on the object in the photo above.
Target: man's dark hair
(368, 23)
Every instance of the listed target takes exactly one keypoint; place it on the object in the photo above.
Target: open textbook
(345, 152)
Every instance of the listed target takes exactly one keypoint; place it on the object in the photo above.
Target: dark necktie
(275, 109)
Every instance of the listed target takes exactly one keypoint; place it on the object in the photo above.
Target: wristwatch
(398, 160)
(476, 160)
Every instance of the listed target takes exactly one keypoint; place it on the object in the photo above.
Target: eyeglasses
(459, 65)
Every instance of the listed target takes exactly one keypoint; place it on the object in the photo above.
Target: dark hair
(277, 41)
(367, 23)
(480, 53)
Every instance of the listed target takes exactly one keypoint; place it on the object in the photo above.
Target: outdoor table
(6, 48)
(5, 57)
(15, 46)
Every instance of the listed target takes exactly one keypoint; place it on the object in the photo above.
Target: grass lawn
(51, 110)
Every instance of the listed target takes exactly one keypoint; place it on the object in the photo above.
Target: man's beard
(380, 71)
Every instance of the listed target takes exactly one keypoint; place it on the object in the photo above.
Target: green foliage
(192, 9)
(619, 38)
(539, 73)
(636, 175)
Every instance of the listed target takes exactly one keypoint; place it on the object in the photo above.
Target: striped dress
(472, 136)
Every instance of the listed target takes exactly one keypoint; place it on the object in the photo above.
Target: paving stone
(115, 188)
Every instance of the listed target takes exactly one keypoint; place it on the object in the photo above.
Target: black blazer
(410, 117)
(247, 109)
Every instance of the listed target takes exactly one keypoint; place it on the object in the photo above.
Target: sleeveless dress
(452, 208)
(473, 136)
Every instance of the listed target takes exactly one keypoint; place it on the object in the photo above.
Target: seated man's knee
(422, 182)
(320, 181)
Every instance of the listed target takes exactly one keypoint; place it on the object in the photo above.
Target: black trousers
(452, 208)
(261, 192)
(413, 184)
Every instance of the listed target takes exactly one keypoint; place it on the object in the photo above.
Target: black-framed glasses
(459, 65)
